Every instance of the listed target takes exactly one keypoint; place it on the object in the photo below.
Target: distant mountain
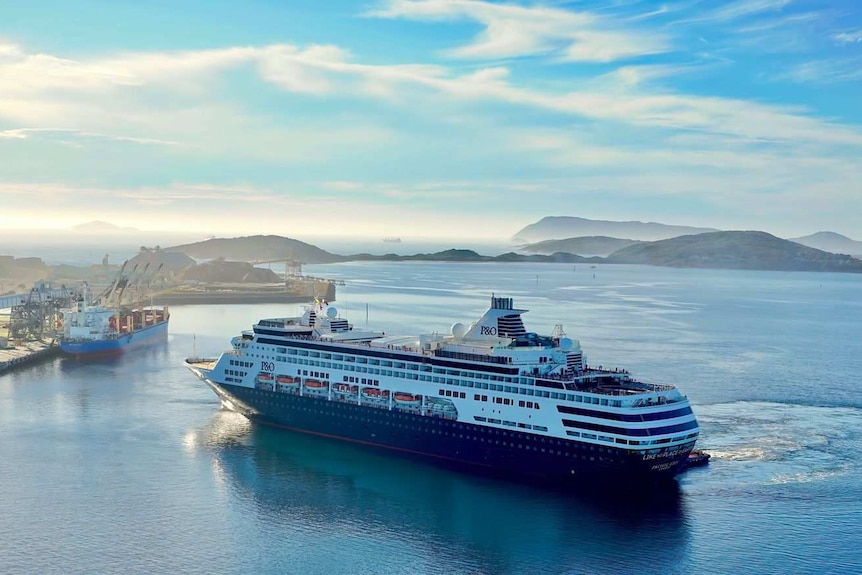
(831, 242)
(735, 250)
(98, 226)
(257, 248)
(722, 250)
(585, 246)
(560, 227)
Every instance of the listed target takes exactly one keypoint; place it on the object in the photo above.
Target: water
(129, 466)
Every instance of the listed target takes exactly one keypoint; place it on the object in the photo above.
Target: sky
(430, 118)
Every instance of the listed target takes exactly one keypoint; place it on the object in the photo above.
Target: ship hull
(458, 444)
(123, 343)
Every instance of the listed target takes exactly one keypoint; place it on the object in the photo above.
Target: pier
(27, 352)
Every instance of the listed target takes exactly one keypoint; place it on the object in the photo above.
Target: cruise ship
(486, 396)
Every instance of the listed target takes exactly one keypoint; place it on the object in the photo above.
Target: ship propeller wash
(489, 396)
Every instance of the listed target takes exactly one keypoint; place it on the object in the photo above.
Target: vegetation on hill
(749, 250)
(461, 255)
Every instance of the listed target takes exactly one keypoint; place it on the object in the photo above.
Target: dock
(27, 352)
(216, 293)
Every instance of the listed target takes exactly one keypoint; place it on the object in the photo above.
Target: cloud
(328, 71)
(65, 133)
(514, 31)
(853, 37)
(827, 71)
(738, 10)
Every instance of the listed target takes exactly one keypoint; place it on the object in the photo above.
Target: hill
(100, 227)
(560, 227)
(831, 242)
(257, 249)
(584, 246)
(748, 250)
(462, 255)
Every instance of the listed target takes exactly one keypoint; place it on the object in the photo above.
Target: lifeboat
(407, 398)
(375, 393)
(264, 377)
(343, 388)
(287, 380)
(315, 384)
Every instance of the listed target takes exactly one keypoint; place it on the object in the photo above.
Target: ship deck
(201, 363)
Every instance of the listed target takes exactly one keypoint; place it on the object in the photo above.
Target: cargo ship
(95, 329)
(488, 396)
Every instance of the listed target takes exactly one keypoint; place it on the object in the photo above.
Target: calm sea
(129, 465)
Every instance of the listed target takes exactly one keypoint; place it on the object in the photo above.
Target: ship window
(521, 403)
(484, 398)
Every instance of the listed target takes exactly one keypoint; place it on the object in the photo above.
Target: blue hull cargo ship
(98, 330)
(488, 396)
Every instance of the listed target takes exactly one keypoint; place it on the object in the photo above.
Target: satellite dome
(331, 312)
(458, 330)
(566, 344)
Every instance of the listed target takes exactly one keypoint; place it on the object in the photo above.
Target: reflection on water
(392, 514)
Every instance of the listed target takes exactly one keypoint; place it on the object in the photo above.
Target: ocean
(129, 465)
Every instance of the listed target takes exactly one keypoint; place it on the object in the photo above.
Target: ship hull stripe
(629, 417)
(642, 432)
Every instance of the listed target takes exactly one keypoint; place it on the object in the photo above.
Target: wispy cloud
(852, 37)
(327, 70)
(827, 71)
(737, 10)
(66, 133)
(513, 31)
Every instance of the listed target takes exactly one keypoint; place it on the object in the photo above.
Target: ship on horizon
(488, 396)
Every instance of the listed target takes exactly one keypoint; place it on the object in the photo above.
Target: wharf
(245, 293)
(26, 353)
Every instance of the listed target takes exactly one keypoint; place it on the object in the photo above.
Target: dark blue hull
(483, 448)
(121, 344)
